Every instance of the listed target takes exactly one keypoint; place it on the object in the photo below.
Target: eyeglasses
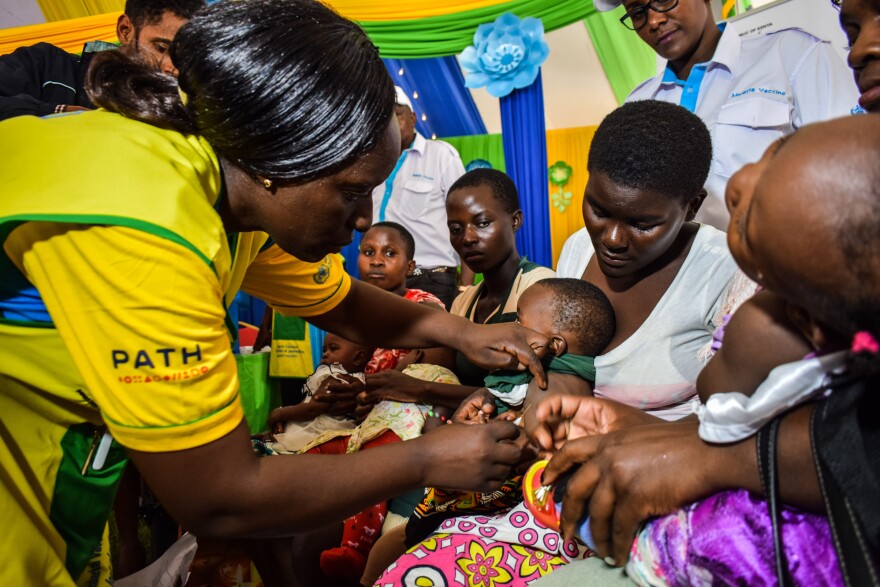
(638, 17)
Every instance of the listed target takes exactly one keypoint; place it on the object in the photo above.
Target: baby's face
(339, 350)
(534, 310)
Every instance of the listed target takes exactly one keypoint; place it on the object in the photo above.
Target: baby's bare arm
(759, 337)
(556, 383)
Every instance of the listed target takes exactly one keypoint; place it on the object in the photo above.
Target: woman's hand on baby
(560, 418)
(505, 346)
(277, 419)
(386, 385)
(623, 478)
(393, 385)
(470, 458)
(477, 408)
(340, 395)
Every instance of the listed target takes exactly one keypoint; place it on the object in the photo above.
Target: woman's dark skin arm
(628, 474)
(403, 324)
(242, 495)
(394, 385)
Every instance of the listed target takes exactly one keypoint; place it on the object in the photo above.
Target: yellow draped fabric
(571, 145)
(55, 10)
(69, 35)
(81, 21)
(390, 10)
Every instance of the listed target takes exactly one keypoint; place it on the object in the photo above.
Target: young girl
(386, 259)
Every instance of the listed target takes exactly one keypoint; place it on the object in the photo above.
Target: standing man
(749, 91)
(44, 79)
(414, 195)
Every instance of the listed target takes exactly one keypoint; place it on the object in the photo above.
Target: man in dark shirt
(43, 79)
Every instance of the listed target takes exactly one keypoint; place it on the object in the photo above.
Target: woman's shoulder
(533, 274)
(710, 245)
(576, 251)
(462, 301)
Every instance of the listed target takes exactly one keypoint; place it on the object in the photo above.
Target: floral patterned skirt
(484, 551)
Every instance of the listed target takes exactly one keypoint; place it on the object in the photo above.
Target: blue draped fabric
(447, 106)
(523, 135)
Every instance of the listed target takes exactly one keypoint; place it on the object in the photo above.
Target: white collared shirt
(418, 199)
(753, 91)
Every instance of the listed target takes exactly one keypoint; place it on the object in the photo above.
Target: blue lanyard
(389, 183)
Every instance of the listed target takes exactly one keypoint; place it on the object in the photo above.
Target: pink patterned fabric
(484, 551)
(386, 359)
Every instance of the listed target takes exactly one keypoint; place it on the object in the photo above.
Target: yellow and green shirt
(115, 276)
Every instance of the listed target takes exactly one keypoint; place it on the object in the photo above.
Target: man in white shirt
(749, 91)
(414, 195)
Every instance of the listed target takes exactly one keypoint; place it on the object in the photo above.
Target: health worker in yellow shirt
(127, 231)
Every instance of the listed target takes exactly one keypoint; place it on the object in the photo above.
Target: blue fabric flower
(506, 54)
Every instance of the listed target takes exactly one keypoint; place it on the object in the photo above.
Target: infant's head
(352, 356)
(804, 224)
(574, 314)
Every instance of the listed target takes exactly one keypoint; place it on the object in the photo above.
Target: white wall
(15, 13)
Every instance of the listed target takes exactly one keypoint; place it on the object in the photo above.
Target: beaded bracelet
(60, 108)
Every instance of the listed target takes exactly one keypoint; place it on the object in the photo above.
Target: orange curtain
(570, 146)
(69, 35)
(55, 10)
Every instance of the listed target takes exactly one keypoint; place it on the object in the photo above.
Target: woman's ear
(694, 205)
(410, 267)
(813, 330)
(517, 220)
(558, 346)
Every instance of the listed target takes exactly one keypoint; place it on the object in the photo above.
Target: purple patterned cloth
(727, 539)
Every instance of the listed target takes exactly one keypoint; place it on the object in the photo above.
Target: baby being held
(579, 321)
(296, 426)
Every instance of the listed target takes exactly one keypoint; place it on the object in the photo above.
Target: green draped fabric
(488, 147)
(449, 34)
(626, 59)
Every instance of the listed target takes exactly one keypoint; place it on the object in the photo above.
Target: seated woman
(669, 280)
(483, 214)
(824, 439)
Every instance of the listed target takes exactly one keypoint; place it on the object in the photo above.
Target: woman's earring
(267, 183)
